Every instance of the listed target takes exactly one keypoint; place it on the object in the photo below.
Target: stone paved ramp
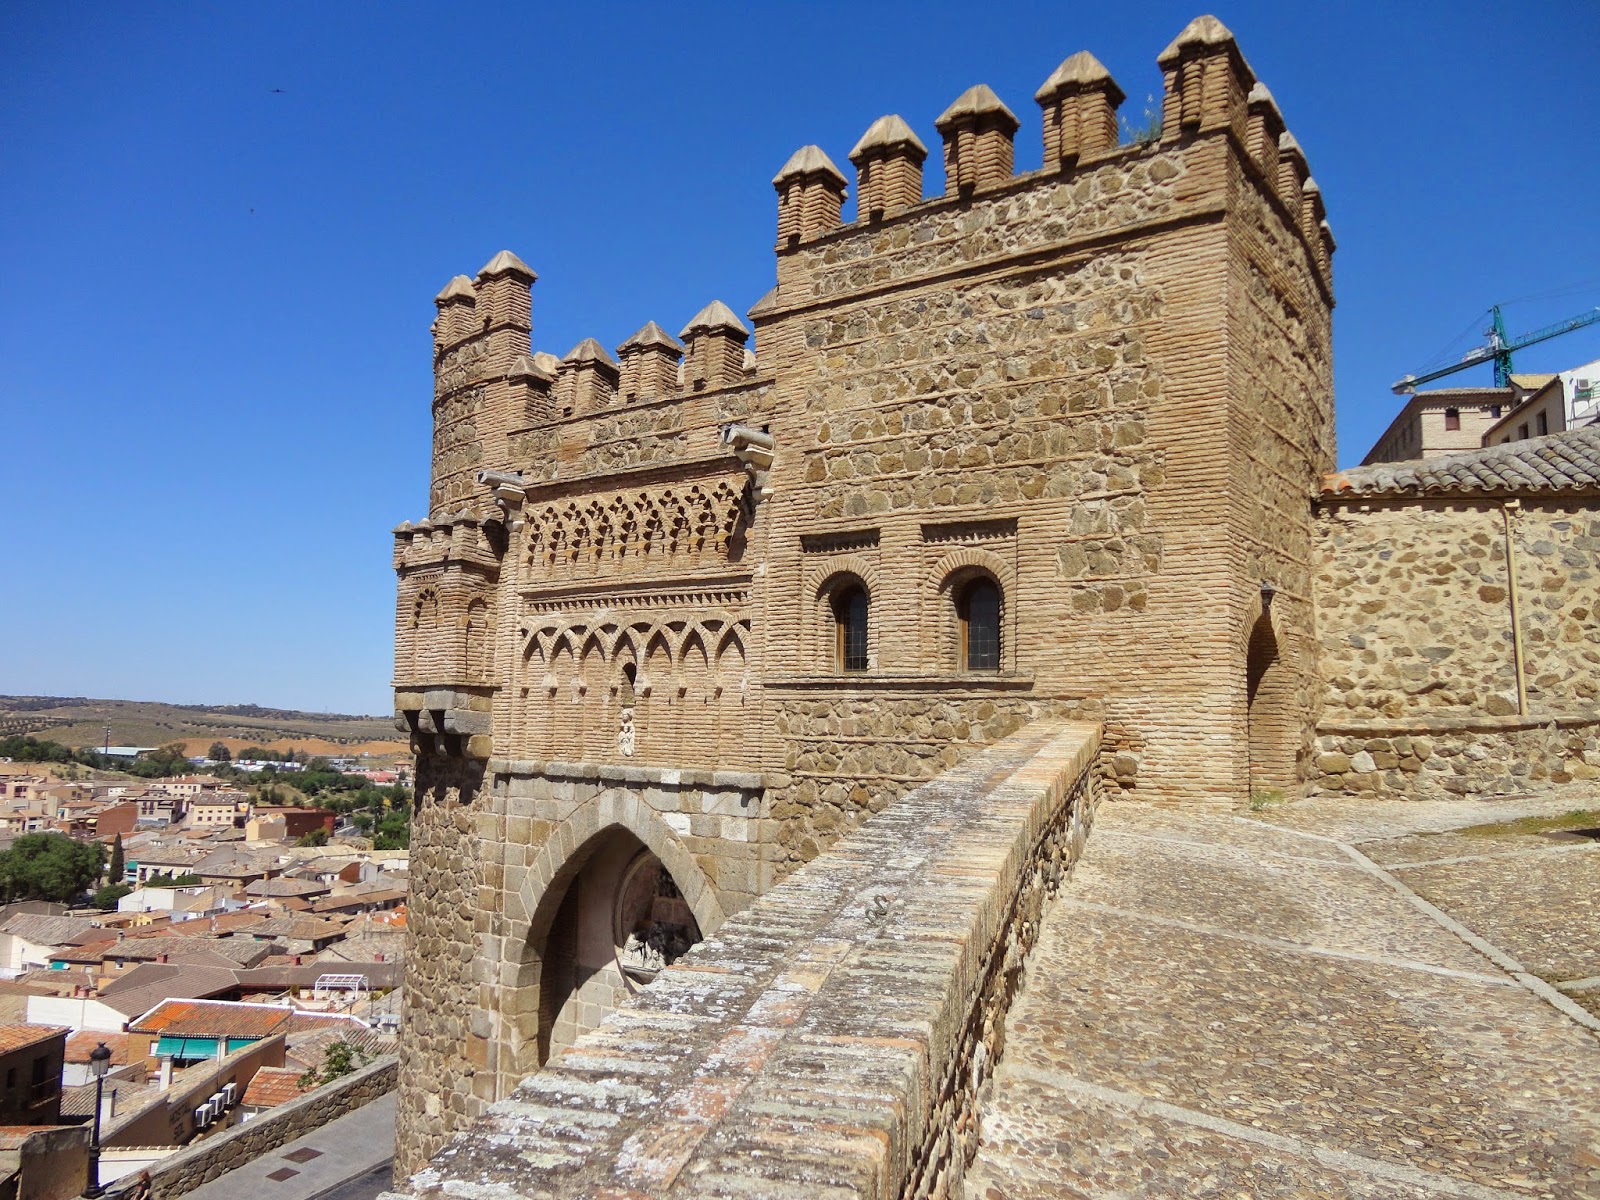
(1249, 1006)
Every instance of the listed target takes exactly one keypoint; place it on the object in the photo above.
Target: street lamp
(99, 1060)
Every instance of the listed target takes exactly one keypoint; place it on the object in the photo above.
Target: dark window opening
(850, 620)
(630, 675)
(1452, 418)
(1494, 410)
(1522, 432)
(978, 606)
(1542, 423)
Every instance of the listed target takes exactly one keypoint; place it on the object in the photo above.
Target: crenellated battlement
(460, 537)
(1210, 90)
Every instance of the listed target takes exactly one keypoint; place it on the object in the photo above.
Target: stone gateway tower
(1043, 445)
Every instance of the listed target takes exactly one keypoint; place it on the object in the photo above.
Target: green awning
(194, 1048)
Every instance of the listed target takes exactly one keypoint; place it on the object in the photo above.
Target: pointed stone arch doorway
(627, 900)
(618, 921)
(1274, 733)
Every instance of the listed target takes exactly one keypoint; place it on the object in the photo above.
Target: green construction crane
(1498, 349)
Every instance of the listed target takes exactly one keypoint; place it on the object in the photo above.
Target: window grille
(979, 609)
(850, 616)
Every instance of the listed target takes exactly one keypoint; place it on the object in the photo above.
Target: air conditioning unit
(215, 1105)
(230, 1093)
(202, 1117)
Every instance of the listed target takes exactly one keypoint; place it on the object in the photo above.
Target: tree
(219, 753)
(165, 879)
(49, 866)
(106, 898)
(118, 866)
(317, 837)
(341, 1058)
(165, 760)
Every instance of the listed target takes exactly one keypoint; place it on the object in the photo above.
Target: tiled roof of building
(79, 1046)
(45, 930)
(20, 1037)
(272, 1086)
(50, 981)
(286, 887)
(230, 864)
(392, 920)
(341, 1024)
(234, 921)
(212, 1018)
(226, 951)
(310, 1047)
(358, 900)
(280, 976)
(180, 857)
(1561, 462)
(148, 985)
(195, 927)
(297, 928)
(14, 987)
(125, 1084)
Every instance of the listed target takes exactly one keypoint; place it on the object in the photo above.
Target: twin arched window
(977, 605)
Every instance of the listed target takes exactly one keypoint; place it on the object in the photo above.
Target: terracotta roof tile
(272, 1086)
(1561, 462)
(212, 1018)
(19, 1037)
(79, 1045)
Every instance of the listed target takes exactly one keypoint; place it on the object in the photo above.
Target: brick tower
(1043, 444)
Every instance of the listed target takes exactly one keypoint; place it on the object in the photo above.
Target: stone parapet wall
(1493, 757)
(217, 1155)
(833, 1038)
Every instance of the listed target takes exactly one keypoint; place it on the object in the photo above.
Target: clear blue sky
(214, 296)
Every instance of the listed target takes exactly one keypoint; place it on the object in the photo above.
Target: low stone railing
(1442, 757)
(204, 1161)
(833, 1038)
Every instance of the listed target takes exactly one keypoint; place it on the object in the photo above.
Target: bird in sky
(279, 92)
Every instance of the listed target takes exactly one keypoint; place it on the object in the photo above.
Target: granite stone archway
(565, 971)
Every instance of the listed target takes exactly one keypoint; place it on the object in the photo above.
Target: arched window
(850, 626)
(978, 607)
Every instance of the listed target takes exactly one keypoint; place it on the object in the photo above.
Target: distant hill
(80, 721)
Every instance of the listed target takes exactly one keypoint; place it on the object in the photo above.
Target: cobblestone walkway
(1328, 999)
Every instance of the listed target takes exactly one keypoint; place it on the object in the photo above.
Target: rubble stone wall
(1457, 659)
(834, 1038)
(442, 988)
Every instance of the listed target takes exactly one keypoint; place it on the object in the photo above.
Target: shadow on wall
(1269, 693)
(618, 919)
